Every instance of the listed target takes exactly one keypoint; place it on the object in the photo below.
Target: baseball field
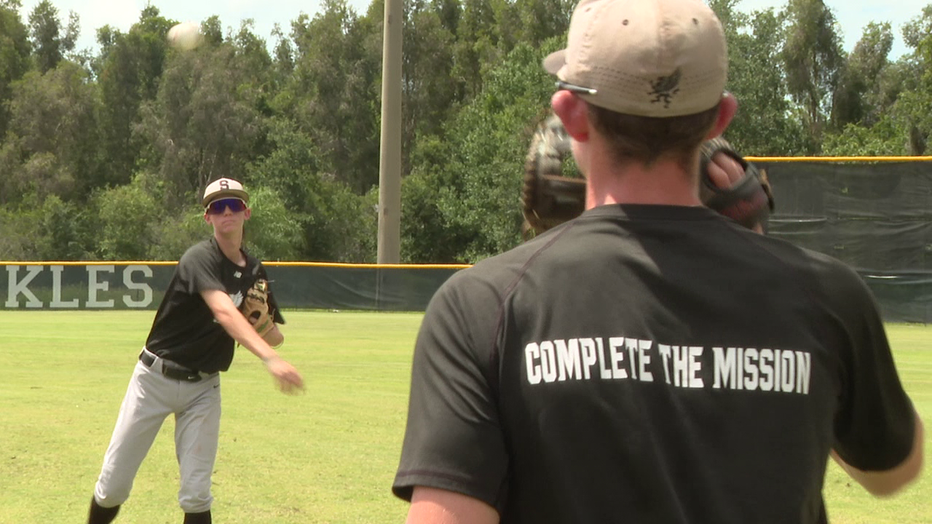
(325, 456)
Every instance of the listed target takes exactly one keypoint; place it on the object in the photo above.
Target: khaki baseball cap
(654, 58)
(224, 187)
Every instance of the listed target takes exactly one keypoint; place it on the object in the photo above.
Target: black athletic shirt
(651, 364)
(184, 329)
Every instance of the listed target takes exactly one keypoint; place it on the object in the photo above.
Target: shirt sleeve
(198, 271)
(874, 427)
(453, 440)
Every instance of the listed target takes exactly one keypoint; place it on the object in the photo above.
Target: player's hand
(288, 378)
(724, 170)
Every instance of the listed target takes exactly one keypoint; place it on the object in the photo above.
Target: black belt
(171, 370)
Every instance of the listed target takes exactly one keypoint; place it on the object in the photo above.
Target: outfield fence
(873, 213)
(903, 296)
(297, 285)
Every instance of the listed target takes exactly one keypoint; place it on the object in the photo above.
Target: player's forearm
(241, 331)
(437, 506)
(885, 483)
(236, 325)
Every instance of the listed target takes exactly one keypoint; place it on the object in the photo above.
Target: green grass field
(326, 456)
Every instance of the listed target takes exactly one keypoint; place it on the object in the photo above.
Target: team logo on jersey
(237, 275)
(237, 298)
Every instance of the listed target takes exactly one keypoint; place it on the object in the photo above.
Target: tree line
(103, 153)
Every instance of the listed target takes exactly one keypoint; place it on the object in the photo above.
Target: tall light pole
(389, 241)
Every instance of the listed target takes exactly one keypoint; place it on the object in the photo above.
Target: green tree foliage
(12, 186)
(756, 77)
(103, 154)
(202, 123)
(541, 20)
(176, 233)
(130, 222)
(53, 229)
(478, 189)
(335, 91)
(882, 139)
(914, 107)
(335, 224)
(813, 58)
(283, 63)
(430, 96)
(128, 218)
(858, 99)
(130, 69)
(480, 43)
(212, 29)
(14, 56)
(890, 109)
(272, 233)
(48, 41)
(437, 38)
(63, 231)
(51, 135)
(256, 84)
(19, 232)
(426, 234)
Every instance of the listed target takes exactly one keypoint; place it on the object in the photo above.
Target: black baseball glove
(749, 201)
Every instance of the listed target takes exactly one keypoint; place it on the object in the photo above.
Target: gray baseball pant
(149, 399)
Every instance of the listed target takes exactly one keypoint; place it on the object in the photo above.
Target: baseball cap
(224, 187)
(654, 58)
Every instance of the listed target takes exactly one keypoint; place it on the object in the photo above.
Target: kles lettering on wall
(95, 286)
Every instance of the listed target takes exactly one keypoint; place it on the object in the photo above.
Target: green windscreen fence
(50, 285)
(395, 288)
(876, 217)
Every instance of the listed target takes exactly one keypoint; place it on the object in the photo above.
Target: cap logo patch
(665, 87)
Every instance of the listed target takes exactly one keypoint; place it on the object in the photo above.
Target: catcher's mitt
(550, 198)
(258, 311)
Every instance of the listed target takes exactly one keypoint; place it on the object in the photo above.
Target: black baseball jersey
(651, 364)
(184, 329)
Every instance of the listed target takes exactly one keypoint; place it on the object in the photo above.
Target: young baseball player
(650, 360)
(178, 372)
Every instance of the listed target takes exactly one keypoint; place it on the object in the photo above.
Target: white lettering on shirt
(677, 365)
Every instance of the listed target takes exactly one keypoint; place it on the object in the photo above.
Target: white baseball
(185, 36)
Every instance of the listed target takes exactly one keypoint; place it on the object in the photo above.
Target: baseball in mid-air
(185, 36)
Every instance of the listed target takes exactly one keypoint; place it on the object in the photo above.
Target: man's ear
(727, 108)
(248, 213)
(573, 112)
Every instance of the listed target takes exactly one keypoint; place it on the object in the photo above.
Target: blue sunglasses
(218, 206)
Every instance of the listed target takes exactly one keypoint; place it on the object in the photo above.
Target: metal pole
(389, 241)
